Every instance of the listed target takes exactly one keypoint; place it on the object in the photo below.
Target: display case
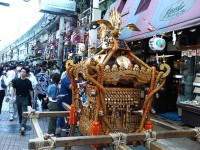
(188, 100)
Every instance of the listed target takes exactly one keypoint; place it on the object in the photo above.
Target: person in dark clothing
(66, 97)
(22, 87)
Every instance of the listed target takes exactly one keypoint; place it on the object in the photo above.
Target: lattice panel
(118, 97)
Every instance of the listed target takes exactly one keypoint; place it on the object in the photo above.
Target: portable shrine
(112, 81)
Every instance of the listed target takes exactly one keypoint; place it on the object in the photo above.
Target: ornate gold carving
(113, 87)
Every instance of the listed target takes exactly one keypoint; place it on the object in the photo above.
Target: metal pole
(61, 41)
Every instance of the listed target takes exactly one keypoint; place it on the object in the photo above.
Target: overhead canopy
(163, 15)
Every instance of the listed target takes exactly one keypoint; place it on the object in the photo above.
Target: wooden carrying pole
(48, 141)
(107, 139)
(34, 115)
(49, 114)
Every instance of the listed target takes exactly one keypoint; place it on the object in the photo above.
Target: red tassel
(149, 91)
(149, 125)
(95, 130)
(72, 115)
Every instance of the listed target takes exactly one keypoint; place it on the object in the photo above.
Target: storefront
(153, 17)
(176, 21)
(189, 93)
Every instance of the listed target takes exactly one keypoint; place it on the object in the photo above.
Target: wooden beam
(37, 128)
(33, 146)
(157, 146)
(49, 114)
(175, 134)
(165, 125)
(107, 139)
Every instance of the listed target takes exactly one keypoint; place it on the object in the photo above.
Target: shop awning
(164, 15)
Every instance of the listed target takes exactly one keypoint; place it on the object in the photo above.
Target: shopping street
(10, 138)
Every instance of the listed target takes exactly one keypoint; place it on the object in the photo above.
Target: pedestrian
(12, 74)
(52, 95)
(65, 96)
(3, 85)
(43, 80)
(23, 88)
(55, 70)
(63, 75)
(34, 82)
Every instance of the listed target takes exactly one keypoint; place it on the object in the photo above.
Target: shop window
(121, 5)
(189, 72)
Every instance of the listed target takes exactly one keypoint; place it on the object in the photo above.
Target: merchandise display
(188, 102)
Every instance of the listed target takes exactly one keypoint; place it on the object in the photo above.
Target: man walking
(23, 88)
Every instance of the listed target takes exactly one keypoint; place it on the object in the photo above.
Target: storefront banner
(163, 15)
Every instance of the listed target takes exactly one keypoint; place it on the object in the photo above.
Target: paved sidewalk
(10, 138)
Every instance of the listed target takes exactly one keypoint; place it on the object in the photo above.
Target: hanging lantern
(157, 43)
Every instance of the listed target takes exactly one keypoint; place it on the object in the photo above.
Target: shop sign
(176, 9)
(57, 6)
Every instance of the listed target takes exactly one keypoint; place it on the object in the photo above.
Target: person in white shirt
(34, 82)
(33, 79)
(11, 74)
(4, 79)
